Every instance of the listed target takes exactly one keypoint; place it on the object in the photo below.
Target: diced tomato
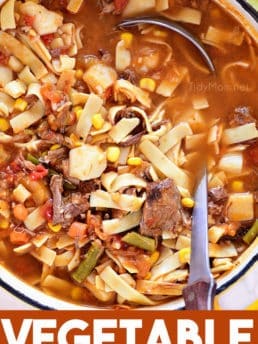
(49, 92)
(47, 210)
(15, 167)
(77, 230)
(120, 5)
(3, 59)
(28, 20)
(39, 173)
(19, 237)
(47, 39)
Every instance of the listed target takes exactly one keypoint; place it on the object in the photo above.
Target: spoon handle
(200, 295)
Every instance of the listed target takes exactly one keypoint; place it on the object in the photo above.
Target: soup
(102, 136)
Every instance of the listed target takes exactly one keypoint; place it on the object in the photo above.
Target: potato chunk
(45, 21)
(240, 207)
(87, 162)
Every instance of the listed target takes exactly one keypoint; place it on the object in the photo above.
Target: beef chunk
(217, 198)
(74, 205)
(56, 187)
(89, 186)
(128, 74)
(241, 115)
(218, 194)
(162, 209)
(65, 210)
(51, 137)
(56, 156)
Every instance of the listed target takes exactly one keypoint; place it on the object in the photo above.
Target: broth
(208, 105)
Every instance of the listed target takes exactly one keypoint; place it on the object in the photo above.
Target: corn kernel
(127, 37)
(134, 161)
(184, 255)
(160, 33)
(78, 111)
(75, 141)
(4, 224)
(79, 74)
(76, 293)
(54, 228)
(187, 202)
(20, 104)
(148, 84)
(237, 186)
(154, 257)
(4, 124)
(97, 121)
(54, 147)
(113, 153)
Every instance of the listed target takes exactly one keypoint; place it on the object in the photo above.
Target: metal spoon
(168, 24)
(200, 292)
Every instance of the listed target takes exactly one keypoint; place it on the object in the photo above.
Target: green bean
(251, 234)
(88, 264)
(141, 241)
(32, 159)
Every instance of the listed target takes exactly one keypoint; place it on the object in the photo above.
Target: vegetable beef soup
(102, 135)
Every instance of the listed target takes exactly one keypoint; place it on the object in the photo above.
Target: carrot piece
(77, 230)
(19, 238)
(20, 212)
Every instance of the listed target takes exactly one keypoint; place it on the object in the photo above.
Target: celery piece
(88, 264)
(141, 241)
(32, 159)
(251, 234)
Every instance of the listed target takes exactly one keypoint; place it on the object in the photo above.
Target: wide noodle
(102, 137)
